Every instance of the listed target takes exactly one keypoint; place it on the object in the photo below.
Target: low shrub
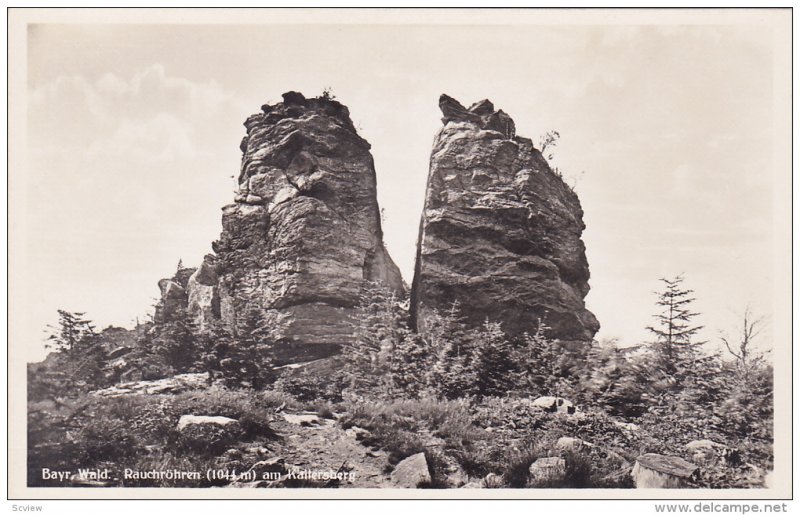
(517, 465)
(324, 410)
(402, 427)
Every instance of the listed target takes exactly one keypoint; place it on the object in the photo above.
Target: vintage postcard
(400, 253)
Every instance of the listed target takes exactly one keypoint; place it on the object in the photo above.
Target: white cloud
(151, 115)
(161, 138)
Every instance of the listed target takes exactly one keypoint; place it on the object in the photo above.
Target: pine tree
(494, 366)
(538, 359)
(674, 347)
(674, 329)
(451, 345)
(175, 340)
(378, 327)
(250, 359)
(72, 328)
(410, 365)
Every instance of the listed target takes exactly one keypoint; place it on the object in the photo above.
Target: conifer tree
(494, 366)
(451, 345)
(250, 359)
(410, 365)
(675, 330)
(378, 327)
(537, 359)
(175, 340)
(72, 328)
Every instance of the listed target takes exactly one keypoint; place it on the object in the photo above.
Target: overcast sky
(667, 136)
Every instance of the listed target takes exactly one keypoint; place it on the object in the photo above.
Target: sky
(667, 135)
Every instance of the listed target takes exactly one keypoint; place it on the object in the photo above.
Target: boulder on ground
(492, 480)
(548, 470)
(570, 444)
(659, 471)
(274, 465)
(119, 352)
(212, 433)
(709, 452)
(554, 405)
(626, 426)
(411, 472)
(302, 419)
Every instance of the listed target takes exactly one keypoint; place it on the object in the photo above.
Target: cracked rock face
(500, 231)
(304, 232)
(202, 295)
(173, 295)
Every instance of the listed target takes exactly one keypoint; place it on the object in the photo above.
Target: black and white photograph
(400, 253)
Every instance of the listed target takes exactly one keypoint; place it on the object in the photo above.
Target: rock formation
(202, 295)
(304, 232)
(173, 295)
(500, 231)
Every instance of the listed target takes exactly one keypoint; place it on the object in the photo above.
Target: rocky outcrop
(173, 295)
(304, 234)
(202, 294)
(500, 231)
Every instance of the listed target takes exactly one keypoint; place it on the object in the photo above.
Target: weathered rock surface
(176, 384)
(554, 405)
(547, 470)
(208, 432)
(173, 295)
(411, 472)
(202, 295)
(571, 444)
(500, 231)
(710, 453)
(304, 233)
(659, 471)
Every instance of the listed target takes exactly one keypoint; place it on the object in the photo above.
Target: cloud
(161, 138)
(151, 115)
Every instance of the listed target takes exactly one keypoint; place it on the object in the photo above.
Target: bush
(324, 410)
(307, 387)
(251, 410)
(402, 427)
(515, 472)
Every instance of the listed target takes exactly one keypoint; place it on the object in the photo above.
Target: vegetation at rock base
(462, 395)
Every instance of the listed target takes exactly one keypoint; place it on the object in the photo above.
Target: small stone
(189, 420)
(627, 426)
(567, 443)
(301, 419)
(274, 465)
(554, 405)
(493, 480)
(708, 452)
